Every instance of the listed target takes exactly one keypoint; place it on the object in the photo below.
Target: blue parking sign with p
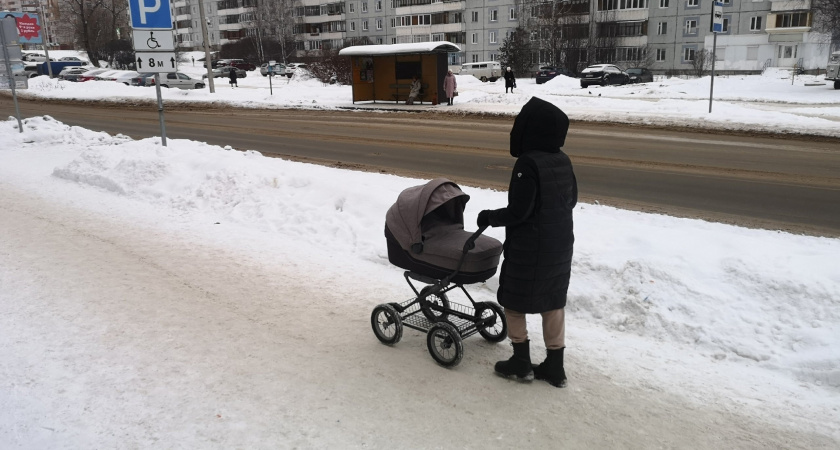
(150, 14)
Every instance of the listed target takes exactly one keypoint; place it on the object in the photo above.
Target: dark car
(549, 72)
(238, 63)
(640, 75)
(604, 75)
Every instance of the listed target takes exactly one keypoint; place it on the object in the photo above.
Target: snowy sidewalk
(123, 335)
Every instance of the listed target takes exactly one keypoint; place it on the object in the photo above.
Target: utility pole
(207, 61)
(46, 38)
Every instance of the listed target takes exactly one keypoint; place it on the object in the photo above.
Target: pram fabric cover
(425, 233)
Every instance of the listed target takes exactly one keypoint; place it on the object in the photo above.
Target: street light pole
(206, 39)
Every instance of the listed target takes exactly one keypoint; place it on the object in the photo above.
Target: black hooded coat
(539, 234)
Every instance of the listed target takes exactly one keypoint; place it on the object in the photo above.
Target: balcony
(790, 5)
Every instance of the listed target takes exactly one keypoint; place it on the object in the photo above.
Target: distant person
(510, 80)
(416, 86)
(539, 239)
(232, 73)
(450, 86)
(193, 60)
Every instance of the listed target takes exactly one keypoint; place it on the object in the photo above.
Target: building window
(755, 23)
(512, 14)
(688, 54)
(475, 16)
(379, 5)
(663, 3)
(725, 25)
(494, 15)
(690, 27)
(352, 26)
(379, 41)
(791, 20)
(352, 7)
(493, 37)
(692, 3)
(662, 29)
(364, 25)
(610, 5)
(475, 38)
(364, 6)
(378, 24)
(660, 54)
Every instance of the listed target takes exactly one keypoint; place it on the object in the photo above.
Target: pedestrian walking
(539, 240)
(232, 75)
(510, 80)
(450, 86)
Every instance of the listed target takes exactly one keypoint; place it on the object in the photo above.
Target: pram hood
(404, 217)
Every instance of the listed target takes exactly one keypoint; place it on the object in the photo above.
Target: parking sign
(150, 14)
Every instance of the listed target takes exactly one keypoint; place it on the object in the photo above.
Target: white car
(168, 80)
(125, 77)
(291, 67)
(72, 58)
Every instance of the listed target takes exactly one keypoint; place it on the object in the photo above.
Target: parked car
(168, 80)
(603, 74)
(108, 75)
(90, 74)
(125, 77)
(549, 72)
(292, 67)
(34, 57)
(484, 71)
(72, 58)
(640, 75)
(279, 69)
(72, 73)
(238, 63)
(224, 72)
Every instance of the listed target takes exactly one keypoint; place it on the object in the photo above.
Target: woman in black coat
(539, 239)
(232, 75)
(510, 80)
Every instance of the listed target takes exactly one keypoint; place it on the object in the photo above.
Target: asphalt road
(774, 182)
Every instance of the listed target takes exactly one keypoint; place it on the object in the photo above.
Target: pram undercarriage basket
(425, 235)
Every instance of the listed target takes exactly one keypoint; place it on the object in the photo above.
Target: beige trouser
(553, 324)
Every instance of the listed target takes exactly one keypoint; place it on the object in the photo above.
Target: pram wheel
(434, 305)
(387, 324)
(445, 344)
(495, 331)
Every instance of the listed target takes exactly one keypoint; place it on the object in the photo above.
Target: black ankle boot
(551, 369)
(519, 365)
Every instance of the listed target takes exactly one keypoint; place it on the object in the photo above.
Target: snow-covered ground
(193, 296)
(770, 102)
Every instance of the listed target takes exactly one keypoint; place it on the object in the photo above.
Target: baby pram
(425, 234)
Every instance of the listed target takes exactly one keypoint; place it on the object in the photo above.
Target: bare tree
(701, 62)
(559, 30)
(827, 18)
(87, 22)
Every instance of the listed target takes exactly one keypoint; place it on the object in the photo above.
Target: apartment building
(663, 34)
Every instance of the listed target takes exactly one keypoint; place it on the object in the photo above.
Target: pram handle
(470, 244)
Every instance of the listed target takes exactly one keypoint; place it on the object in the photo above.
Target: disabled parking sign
(150, 14)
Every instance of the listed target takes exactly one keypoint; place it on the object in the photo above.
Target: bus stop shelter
(385, 72)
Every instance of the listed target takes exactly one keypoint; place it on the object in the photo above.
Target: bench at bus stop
(401, 91)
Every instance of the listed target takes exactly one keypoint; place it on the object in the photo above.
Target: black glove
(483, 219)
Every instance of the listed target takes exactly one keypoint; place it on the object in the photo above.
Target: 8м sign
(163, 62)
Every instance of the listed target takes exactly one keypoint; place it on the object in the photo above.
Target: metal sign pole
(9, 73)
(160, 110)
(717, 26)
(712, 87)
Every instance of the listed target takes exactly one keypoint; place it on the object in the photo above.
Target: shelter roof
(400, 49)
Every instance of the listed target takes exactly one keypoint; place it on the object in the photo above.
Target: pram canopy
(425, 233)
